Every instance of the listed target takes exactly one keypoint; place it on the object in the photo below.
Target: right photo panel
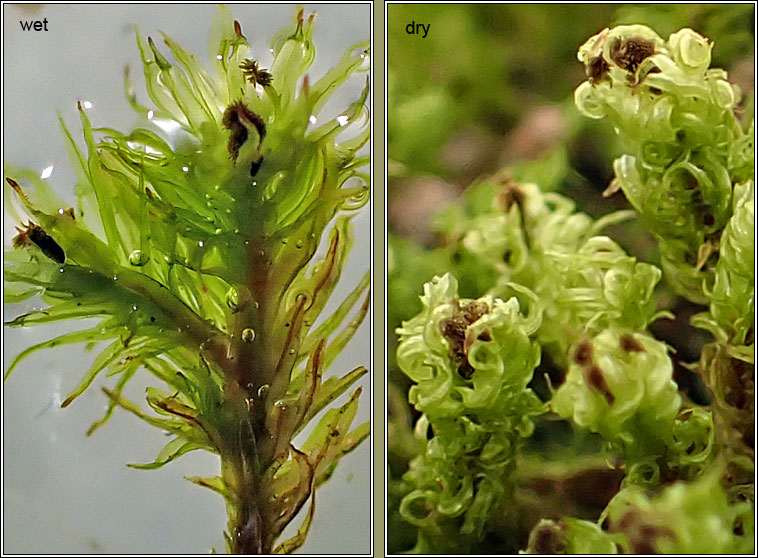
(570, 279)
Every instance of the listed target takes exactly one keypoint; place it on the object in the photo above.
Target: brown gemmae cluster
(454, 330)
(627, 54)
(235, 117)
(238, 117)
(256, 75)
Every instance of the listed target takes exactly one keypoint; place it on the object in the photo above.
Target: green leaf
(330, 390)
(214, 483)
(349, 443)
(323, 444)
(113, 401)
(87, 335)
(113, 352)
(175, 448)
(295, 542)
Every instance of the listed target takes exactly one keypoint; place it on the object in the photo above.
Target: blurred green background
(490, 88)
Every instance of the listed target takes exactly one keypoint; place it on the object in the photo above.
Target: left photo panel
(187, 349)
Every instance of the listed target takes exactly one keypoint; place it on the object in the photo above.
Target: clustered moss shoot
(199, 254)
(559, 290)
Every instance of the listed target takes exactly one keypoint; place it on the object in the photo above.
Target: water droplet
(218, 231)
(279, 403)
(134, 307)
(219, 57)
(255, 183)
(233, 299)
(299, 244)
(312, 118)
(285, 241)
(262, 391)
(61, 270)
(342, 120)
(248, 335)
(115, 277)
(200, 243)
(292, 351)
(185, 169)
(150, 114)
(137, 258)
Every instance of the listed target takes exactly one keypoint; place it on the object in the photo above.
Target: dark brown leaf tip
(454, 330)
(238, 30)
(630, 344)
(583, 354)
(510, 195)
(596, 381)
(548, 538)
(13, 184)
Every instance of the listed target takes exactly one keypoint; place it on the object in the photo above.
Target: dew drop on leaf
(137, 258)
(233, 299)
(248, 335)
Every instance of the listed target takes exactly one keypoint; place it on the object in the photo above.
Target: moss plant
(563, 296)
(199, 255)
